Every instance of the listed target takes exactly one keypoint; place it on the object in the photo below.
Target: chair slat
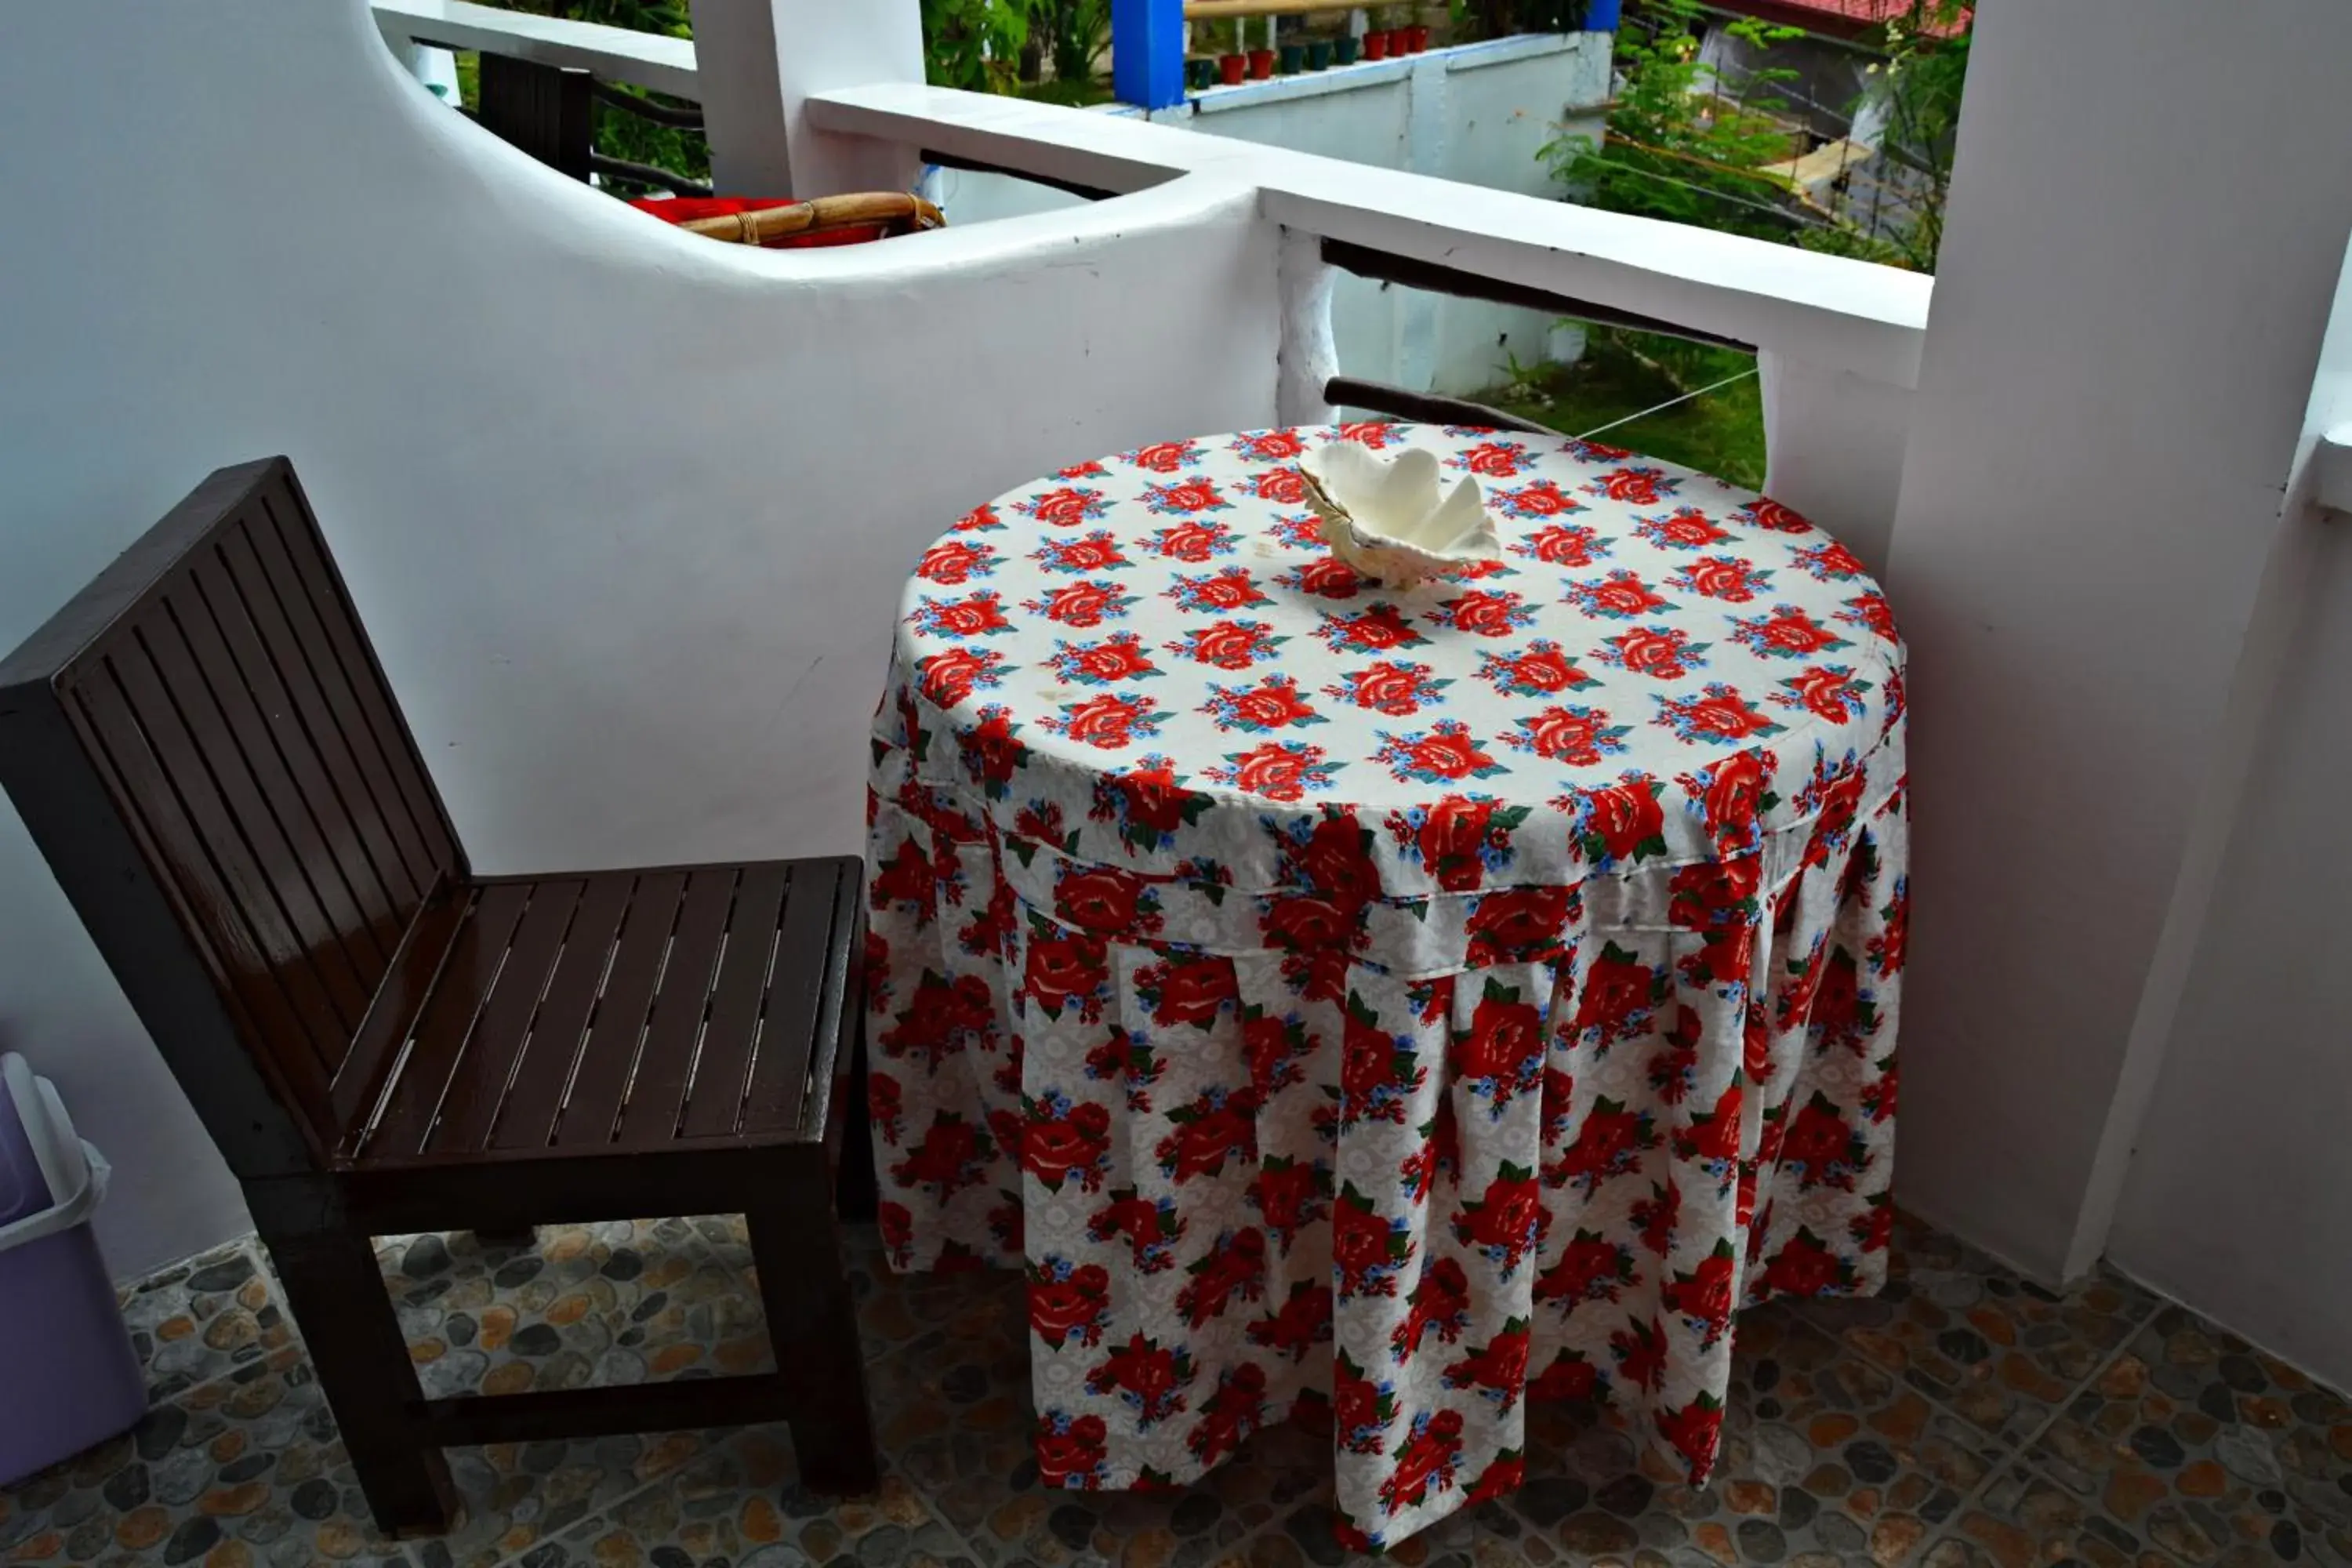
(354, 657)
(303, 879)
(553, 1051)
(840, 1005)
(610, 1055)
(476, 1087)
(314, 665)
(254, 904)
(795, 998)
(722, 1067)
(649, 1117)
(407, 985)
(437, 1043)
(174, 847)
(309, 768)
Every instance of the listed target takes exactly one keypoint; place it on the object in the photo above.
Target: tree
(974, 44)
(1683, 143)
(1690, 143)
(1075, 30)
(1925, 67)
(615, 133)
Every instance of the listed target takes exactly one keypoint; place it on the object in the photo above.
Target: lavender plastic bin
(69, 1377)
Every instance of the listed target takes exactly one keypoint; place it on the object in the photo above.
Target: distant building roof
(1844, 19)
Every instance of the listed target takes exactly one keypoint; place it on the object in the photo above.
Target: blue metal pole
(1147, 52)
(1601, 15)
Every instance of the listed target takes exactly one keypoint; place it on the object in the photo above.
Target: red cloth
(687, 209)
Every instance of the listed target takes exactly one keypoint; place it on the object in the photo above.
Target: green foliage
(1926, 66)
(620, 134)
(617, 133)
(1687, 144)
(1082, 92)
(665, 16)
(977, 45)
(1075, 31)
(974, 44)
(1625, 372)
(971, 44)
(1475, 19)
(1683, 143)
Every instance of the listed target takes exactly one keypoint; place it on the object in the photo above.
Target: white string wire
(1669, 402)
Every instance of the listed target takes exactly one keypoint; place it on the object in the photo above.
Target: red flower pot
(1376, 46)
(1231, 69)
(1261, 64)
(1416, 38)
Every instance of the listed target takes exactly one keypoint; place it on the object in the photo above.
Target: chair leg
(338, 1297)
(857, 1195)
(813, 1323)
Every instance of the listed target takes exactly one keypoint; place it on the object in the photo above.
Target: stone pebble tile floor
(1964, 1419)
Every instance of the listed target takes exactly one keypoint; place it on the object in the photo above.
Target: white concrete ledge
(1518, 46)
(615, 54)
(1356, 78)
(1365, 74)
(2331, 471)
(1828, 311)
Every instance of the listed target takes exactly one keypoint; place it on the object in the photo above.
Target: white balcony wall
(635, 630)
(2238, 1191)
(2108, 415)
(628, 511)
(1477, 114)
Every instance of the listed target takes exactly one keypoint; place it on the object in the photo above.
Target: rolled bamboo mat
(757, 227)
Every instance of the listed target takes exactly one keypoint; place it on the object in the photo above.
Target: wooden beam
(605, 1411)
(1424, 407)
(1366, 262)
(975, 166)
(543, 110)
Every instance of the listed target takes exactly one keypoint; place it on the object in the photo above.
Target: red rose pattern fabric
(1386, 1007)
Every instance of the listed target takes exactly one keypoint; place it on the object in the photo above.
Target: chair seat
(621, 1012)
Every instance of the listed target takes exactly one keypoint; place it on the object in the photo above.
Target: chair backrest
(207, 753)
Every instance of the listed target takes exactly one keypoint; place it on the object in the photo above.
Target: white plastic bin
(69, 1377)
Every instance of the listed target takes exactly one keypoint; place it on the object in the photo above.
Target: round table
(1385, 1008)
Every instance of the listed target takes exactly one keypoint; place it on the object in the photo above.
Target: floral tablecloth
(1385, 1008)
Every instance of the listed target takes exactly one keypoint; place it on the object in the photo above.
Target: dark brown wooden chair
(382, 1042)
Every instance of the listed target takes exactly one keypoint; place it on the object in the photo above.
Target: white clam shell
(1392, 520)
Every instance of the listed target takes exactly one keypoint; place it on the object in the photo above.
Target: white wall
(2114, 384)
(1476, 113)
(2237, 1195)
(626, 511)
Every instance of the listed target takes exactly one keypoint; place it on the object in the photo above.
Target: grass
(1074, 94)
(1624, 373)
